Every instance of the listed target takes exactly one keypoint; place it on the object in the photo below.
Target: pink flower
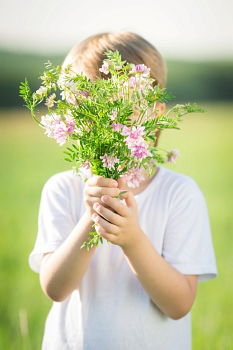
(58, 127)
(105, 67)
(136, 132)
(140, 151)
(172, 156)
(60, 133)
(69, 92)
(69, 95)
(125, 131)
(132, 82)
(133, 177)
(70, 123)
(140, 68)
(109, 161)
(117, 127)
(135, 141)
(139, 82)
(83, 93)
(86, 164)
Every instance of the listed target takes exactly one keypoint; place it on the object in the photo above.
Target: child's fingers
(90, 201)
(108, 236)
(116, 205)
(108, 214)
(101, 181)
(129, 199)
(106, 226)
(100, 191)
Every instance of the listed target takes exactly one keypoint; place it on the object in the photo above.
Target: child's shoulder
(63, 180)
(179, 182)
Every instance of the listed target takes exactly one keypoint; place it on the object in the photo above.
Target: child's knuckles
(88, 191)
(92, 191)
(100, 210)
(93, 180)
(108, 191)
(99, 180)
(86, 199)
(106, 182)
(115, 192)
(117, 231)
(89, 201)
(111, 183)
(109, 215)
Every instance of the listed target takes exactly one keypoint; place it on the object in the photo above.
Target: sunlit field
(28, 159)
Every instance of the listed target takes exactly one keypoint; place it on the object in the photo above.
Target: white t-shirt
(111, 310)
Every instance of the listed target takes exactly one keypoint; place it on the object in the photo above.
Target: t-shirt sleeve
(188, 242)
(54, 221)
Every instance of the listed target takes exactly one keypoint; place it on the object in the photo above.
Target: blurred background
(196, 39)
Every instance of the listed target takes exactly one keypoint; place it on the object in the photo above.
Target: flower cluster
(135, 141)
(109, 161)
(57, 127)
(133, 177)
(98, 118)
(139, 79)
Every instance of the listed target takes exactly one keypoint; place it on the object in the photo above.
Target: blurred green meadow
(28, 159)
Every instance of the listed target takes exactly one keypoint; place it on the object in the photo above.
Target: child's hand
(96, 187)
(120, 225)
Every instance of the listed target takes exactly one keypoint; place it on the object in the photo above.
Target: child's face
(159, 107)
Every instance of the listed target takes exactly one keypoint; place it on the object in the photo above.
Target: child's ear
(161, 107)
(157, 134)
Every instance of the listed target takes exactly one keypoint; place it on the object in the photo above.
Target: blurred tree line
(187, 81)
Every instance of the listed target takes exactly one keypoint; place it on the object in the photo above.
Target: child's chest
(153, 218)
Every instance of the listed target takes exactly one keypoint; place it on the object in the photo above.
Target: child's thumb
(129, 199)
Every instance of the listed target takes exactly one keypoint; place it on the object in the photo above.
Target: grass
(28, 159)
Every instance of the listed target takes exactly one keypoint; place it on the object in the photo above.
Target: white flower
(85, 171)
(50, 101)
(41, 91)
(113, 115)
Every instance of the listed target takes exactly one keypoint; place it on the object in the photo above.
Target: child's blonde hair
(88, 55)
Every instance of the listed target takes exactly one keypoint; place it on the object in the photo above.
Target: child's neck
(144, 183)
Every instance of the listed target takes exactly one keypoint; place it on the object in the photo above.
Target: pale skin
(62, 271)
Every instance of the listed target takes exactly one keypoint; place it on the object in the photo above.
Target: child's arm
(170, 290)
(62, 271)
(173, 292)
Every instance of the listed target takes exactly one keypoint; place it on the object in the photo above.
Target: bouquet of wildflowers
(94, 119)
